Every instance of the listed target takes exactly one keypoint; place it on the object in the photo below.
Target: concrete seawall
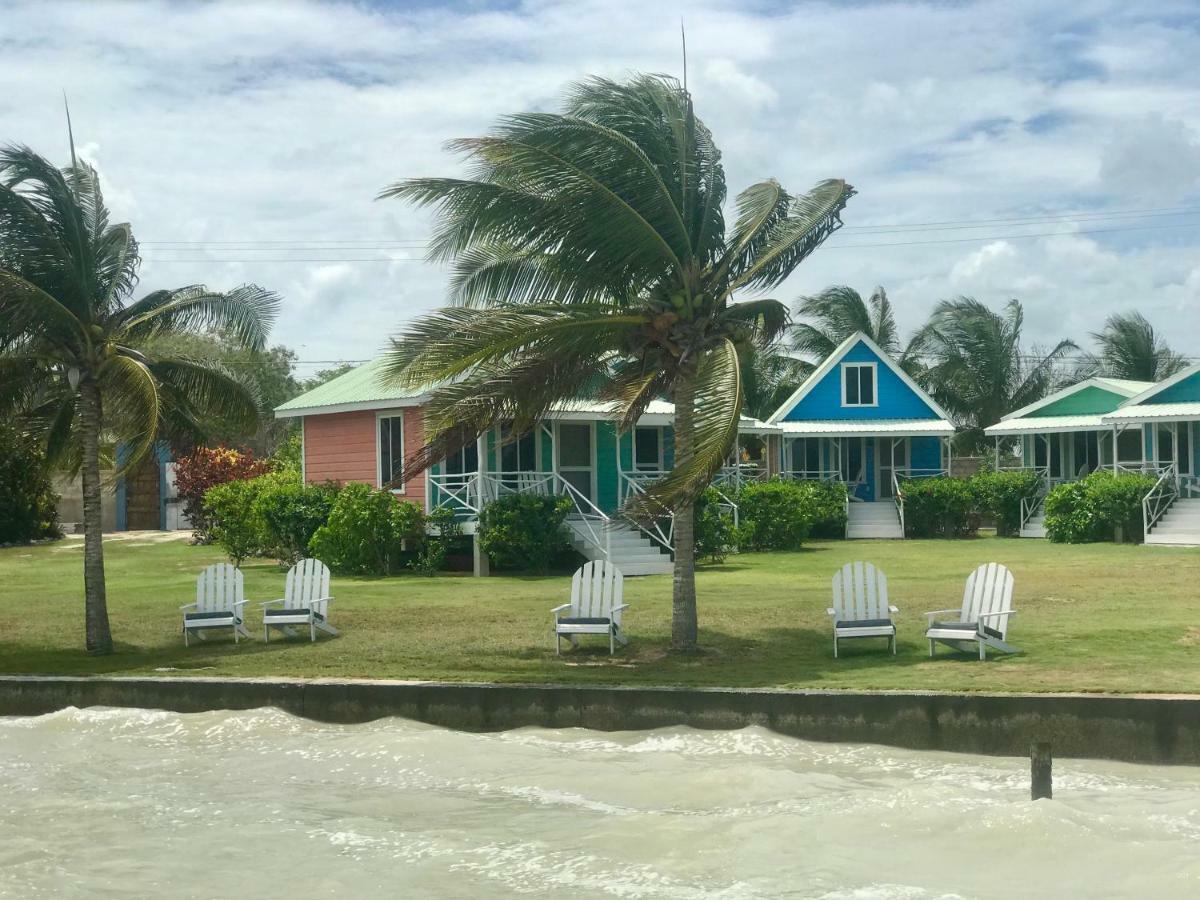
(1127, 728)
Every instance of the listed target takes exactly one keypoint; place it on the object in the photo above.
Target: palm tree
(769, 376)
(1128, 347)
(590, 248)
(976, 368)
(838, 312)
(78, 359)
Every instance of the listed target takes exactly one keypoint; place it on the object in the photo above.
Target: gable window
(858, 384)
(391, 450)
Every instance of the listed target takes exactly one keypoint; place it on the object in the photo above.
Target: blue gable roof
(895, 398)
(1187, 390)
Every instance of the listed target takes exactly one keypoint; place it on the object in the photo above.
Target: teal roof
(364, 384)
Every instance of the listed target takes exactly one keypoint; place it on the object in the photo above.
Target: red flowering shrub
(206, 467)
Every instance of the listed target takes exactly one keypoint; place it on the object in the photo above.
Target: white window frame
(379, 417)
(874, 367)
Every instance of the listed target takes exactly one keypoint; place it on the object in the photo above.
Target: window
(391, 450)
(1129, 445)
(647, 449)
(858, 384)
(465, 461)
(806, 457)
(519, 455)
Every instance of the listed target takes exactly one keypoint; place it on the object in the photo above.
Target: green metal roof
(364, 384)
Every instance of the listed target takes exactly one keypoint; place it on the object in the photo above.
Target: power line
(880, 227)
(854, 246)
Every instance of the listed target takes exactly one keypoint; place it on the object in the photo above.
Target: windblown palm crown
(591, 257)
(79, 361)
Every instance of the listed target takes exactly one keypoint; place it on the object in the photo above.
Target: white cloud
(264, 122)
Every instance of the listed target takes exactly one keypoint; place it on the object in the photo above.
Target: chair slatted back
(307, 582)
(989, 590)
(860, 592)
(218, 588)
(596, 589)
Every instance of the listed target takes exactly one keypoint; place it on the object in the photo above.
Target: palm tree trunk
(97, 635)
(683, 601)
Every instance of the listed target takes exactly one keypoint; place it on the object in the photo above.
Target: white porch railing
(737, 475)
(1159, 499)
(633, 484)
(898, 497)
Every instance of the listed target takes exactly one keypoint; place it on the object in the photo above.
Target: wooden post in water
(1041, 761)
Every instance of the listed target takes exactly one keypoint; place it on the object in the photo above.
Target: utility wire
(880, 227)
(854, 246)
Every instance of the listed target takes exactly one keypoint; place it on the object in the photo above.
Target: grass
(1091, 618)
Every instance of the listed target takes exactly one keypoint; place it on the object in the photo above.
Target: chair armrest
(620, 607)
(1011, 612)
(830, 611)
(893, 608)
(940, 612)
(271, 602)
(324, 600)
(559, 609)
(191, 605)
(237, 603)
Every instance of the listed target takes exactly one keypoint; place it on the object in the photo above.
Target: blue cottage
(860, 419)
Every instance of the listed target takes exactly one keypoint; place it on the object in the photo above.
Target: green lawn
(1091, 618)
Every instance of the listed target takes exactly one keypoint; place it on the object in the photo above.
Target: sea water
(134, 803)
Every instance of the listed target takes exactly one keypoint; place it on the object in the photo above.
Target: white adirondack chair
(983, 619)
(219, 601)
(595, 607)
(860, 605)
(305, 601)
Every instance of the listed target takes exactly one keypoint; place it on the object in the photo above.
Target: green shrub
(525, 531)
(938, 507)
(290, 512)
(1096, 507)
(775, 515)
(827, 503)
(714, 532)
(369, 532)
(443, 531)
(28, 504)
(999, 495)
(233, 523)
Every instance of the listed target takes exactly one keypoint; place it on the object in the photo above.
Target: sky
(246, 142)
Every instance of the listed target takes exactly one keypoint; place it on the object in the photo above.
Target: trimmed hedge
(775, 515)
(715, 535)
(525, 532)
(1095, 508)
(939, 507)
(289, 513)
(999, 495)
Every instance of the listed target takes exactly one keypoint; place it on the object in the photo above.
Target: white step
(1191, 539)
(633, 552)
(1180, 525)
(873, 520)
(1035, 527)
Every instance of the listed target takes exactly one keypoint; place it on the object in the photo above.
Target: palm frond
(131, 406)
(811, 218)
(27, 310)
(452, 341)
(718, 406)
(244, 313)
(764, 319)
